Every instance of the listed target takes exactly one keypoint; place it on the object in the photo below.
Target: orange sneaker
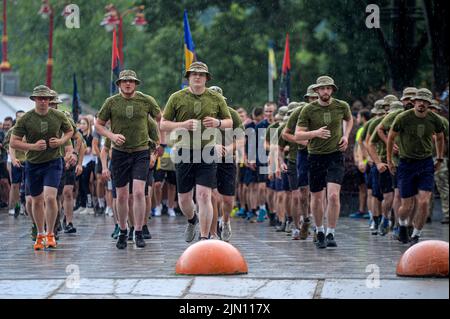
(51, 241)
(40, 242)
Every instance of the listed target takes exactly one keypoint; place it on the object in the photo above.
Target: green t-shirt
(377, 141)
(184, 105)
(445, 122)
(20, 155)
(387, 122)
(365, 129)
(292, 125)
(315, 116)
(415, 134)
(293, 147)
(37, 127)
(129, 118)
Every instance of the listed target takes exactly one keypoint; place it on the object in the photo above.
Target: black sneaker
(403, 235)
(321, 242)
(131, 234)
(281, 228)
(146, 233)
(410, 230)
(414, 240)
(70, 229)
(330, 241)
(16, 211)
(139, 239)
(122, 242)
(64, 223)
(272, 219)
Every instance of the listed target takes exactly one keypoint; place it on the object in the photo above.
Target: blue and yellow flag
(272, 65)
(189, 46)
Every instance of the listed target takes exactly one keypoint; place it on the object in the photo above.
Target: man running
(128, 112)
(321, 122)
(41, 128)
(415, 129)
(193, 110)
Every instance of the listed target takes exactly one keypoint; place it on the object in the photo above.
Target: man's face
(127, 86)
(311, 99)
(268, 112)
(258, 118)
(359, 119)
(243, 116)
(42, 101)
(7, 125)
(325, 93)
(197, 79)
(421, 106)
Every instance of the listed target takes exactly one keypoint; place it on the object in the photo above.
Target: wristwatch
(440, 160)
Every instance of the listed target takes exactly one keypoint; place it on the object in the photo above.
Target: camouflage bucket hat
(424, 95)
(325, 81)
(218, 90)
(282, 111)
(286, 118)
(395, 106)
(378, 107)
(435, 105)
(41, 91)
(293, 105)
(408, 93)
(198, 67)
(128, 75)
(310, 92)
(388, 99)
(56, 99)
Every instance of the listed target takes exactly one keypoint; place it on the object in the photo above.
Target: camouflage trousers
(441, 180)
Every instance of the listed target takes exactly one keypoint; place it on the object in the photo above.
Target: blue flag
(76, 107)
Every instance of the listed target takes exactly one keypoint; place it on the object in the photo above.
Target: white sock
(320, 229)
(101, 202)
(330, 231)
(262, 206)
(402, 222)
(417, 232)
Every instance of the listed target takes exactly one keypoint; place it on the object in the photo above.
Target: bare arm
(440, 144)
(288, 136)
(18, 144)
(390, 145)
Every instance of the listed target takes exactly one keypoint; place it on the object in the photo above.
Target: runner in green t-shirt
(322, 123)
(193, 111)
(128, 113)
(415, 129)
(41, 128)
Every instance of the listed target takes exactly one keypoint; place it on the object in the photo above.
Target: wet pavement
(88, 265)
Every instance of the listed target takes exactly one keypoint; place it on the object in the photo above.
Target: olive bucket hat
(424, 95)
(310, 92)
(41, 91)
(325, 80)
(127, 75)
(198, 67)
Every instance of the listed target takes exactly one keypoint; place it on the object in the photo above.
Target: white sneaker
(295, 234)
(11, 212)
(158, 211)
(171, 212)
(372, 225)
(108, 212)
(226, 231)
(83, 210)
(90, 211)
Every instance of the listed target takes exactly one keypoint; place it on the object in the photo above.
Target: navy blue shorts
(367, 176)
(278, 185)
(43, 174)
(415, 175)
(385, 180)
(302, 168)
(17, 174)
(285, 179)
(395, 181)
(293, 175)
(250, 176)
(375, 181)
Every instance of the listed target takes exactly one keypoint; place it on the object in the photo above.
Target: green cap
(395, 106)
(283, 110)
(378, 107)
(388, 99)
(435, 105)
(325, 80)
(424, 95)
(127, 75)
(408, 93)
(198, 67)
(41, 91)
(310, 92)
(218, 90)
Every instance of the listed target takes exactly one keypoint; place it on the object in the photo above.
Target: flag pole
(270, 81)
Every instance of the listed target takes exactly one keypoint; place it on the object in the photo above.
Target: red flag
(286, 58)
(284, 94)
(115, 64)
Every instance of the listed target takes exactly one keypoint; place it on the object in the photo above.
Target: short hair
(8, 118)
(271, 103)
(257, 111)
(241, 109)
(20, 111)
(365, 113)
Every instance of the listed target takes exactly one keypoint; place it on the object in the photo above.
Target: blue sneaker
(261, 215)
(384, 226)
(396, 233)
(356, 215)
(153, 211)
(242, 213)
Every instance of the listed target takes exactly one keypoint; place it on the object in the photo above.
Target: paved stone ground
(278, 266)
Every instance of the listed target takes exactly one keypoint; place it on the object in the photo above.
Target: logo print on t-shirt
(44, 127)
(129, 111)
(197, 107)
(420, 130)
(327, 118)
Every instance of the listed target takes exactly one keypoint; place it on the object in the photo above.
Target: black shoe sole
(321, 245)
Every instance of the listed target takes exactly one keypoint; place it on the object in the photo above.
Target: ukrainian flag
(189, 46)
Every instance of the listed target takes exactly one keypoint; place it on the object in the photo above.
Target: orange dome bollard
(211, 257)
(425, 259)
